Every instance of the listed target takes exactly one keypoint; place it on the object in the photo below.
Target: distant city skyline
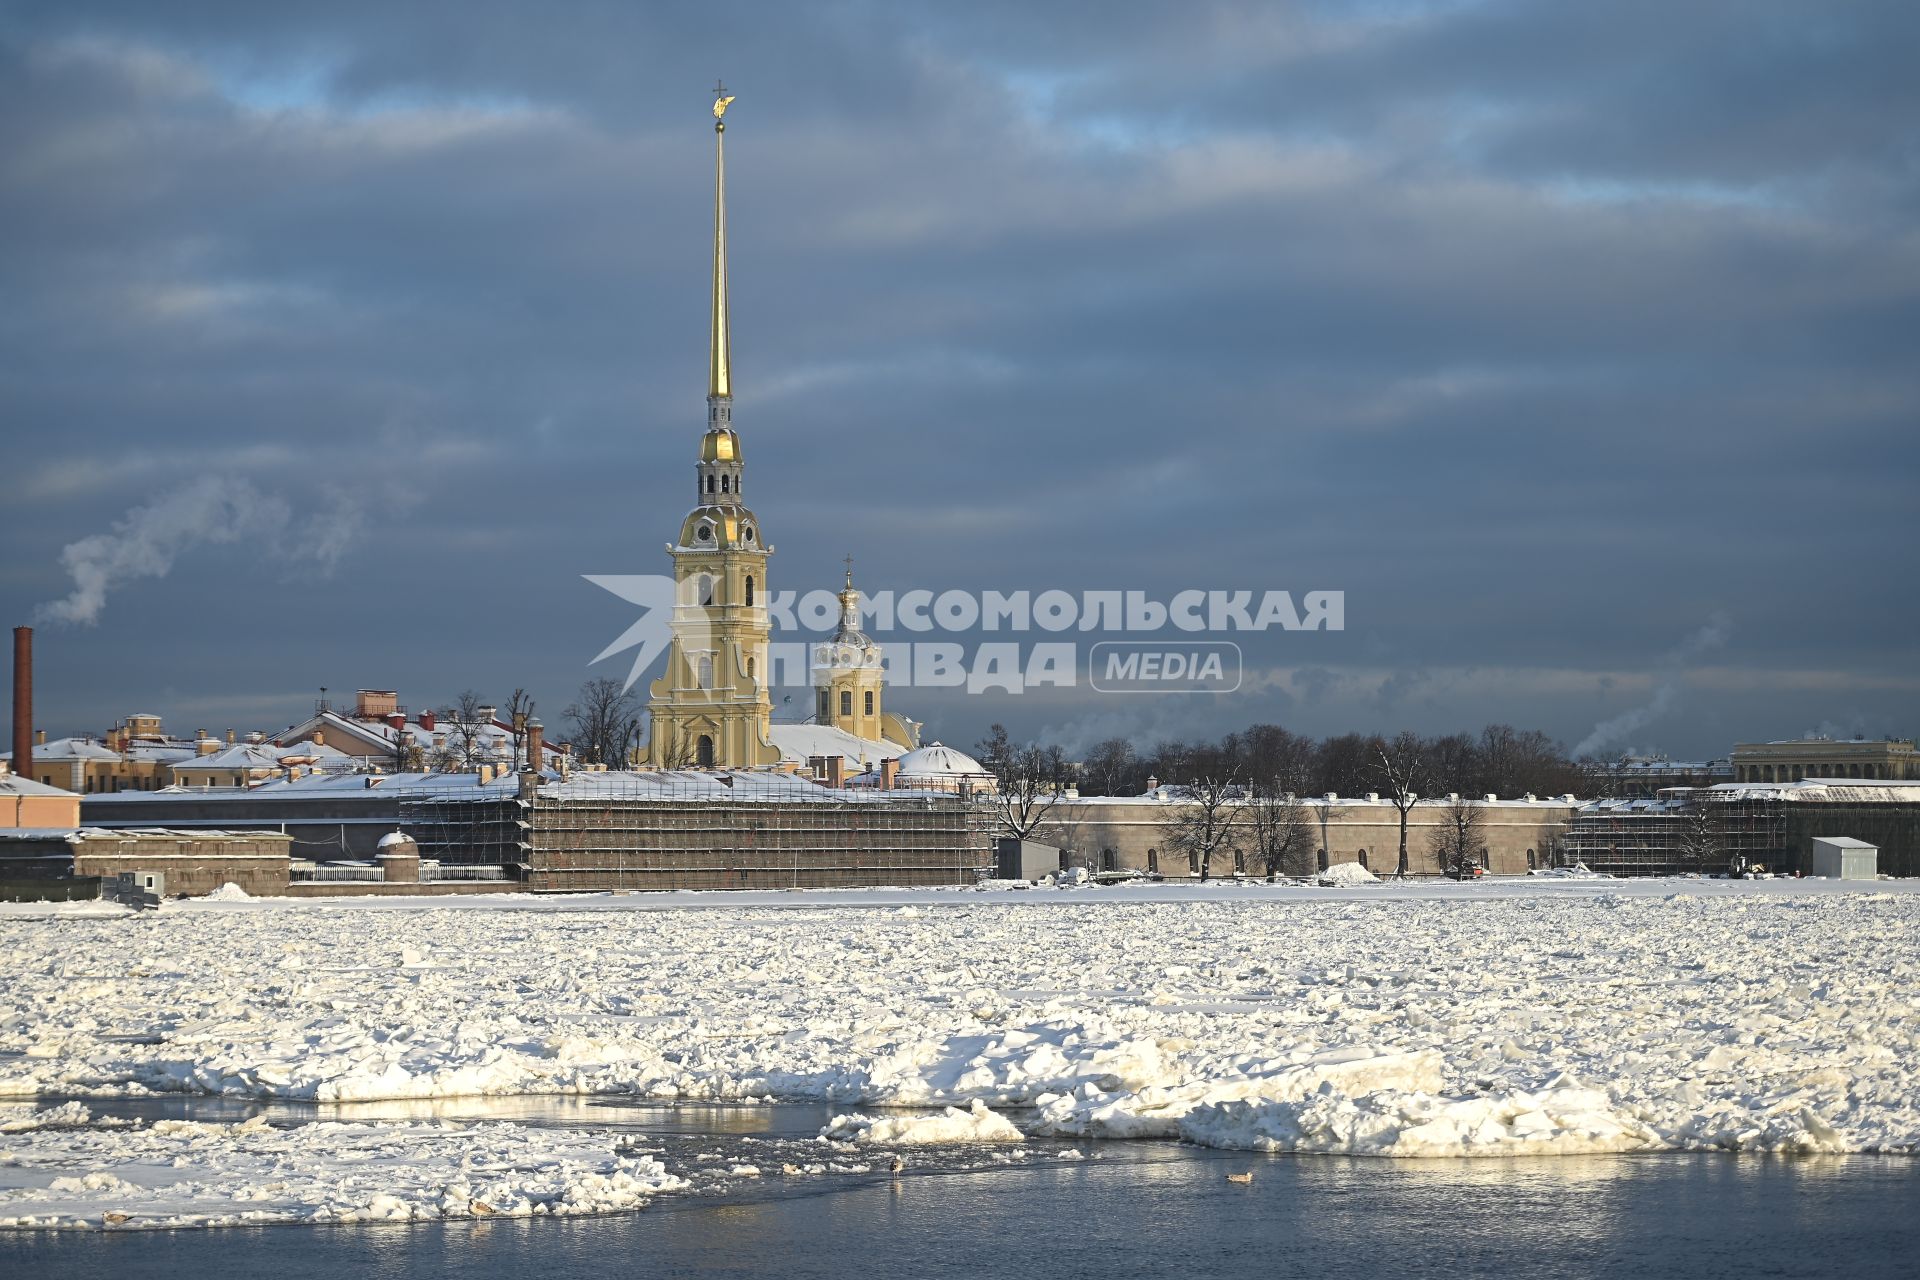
(1573, 346)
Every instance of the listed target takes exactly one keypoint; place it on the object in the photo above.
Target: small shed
(1024, 859)
(1844, 858)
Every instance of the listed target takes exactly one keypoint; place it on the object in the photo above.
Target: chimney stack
(428, 719)
(23, 701)
(889, 774)
(836, 771)
(536, 746)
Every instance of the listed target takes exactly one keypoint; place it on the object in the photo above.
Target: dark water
(1131, 1209)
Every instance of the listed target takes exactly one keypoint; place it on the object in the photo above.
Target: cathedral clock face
(706, 533)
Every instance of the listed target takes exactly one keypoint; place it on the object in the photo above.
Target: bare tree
(995, 750)
(1698, 844)
(1400, 766)
(519, 711)
(1283, 758)
(1345, 764)
(465, 746)
(1032, 781)
(1459, 843)
(605, 723)
(1111, 769)
(1279, 831)
(1207, 822)
(676, 750)
(1453, 764)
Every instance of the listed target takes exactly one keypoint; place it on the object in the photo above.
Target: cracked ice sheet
(1434, 1019)
(62, 1169)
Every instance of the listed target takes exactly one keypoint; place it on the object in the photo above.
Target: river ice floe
(62, 1169)
(1572, 1016)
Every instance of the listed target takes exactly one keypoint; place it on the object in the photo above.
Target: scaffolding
(469, 827)
(1685, 830)
(699, 830)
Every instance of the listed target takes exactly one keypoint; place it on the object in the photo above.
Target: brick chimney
(836, 771)
(889, 774)
(23, 701)
(536, 746)
(319, 738)
(427, 720)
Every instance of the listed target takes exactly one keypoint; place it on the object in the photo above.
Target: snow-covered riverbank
(1430, 1020)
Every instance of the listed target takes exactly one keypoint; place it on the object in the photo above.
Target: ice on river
(1465, 1019)
(60, 1168)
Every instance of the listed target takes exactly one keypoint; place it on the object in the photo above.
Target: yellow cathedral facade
(710, 707)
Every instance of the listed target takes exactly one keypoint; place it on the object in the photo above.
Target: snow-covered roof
(413, 785)
(938, 760)
(1823, 791)
(265, 755)
(799, 743)
(1168, 794)
(12, 784)
(696, 784)
(69, 749)
(171, 833)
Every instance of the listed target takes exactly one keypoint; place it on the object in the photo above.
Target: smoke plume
(1666, 688)
(213, 509)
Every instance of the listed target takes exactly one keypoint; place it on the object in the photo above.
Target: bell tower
(710, 707)
(848, 677)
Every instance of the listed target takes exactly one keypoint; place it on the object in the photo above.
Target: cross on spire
(849, 563)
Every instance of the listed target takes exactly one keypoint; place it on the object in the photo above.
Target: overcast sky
(1576, 343)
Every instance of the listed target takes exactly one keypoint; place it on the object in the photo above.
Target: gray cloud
(1542, 331)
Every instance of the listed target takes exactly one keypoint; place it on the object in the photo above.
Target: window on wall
(1109, 860)
(1323, 859)
(706, 672)
(750, 669)
(709, 484)
(749, 589)
(1531, 863)
(1153, 861)
(703, 590)
(846, 702)
(704, 752)
(1363, 859)
(726, 485)
(826, 708)
(869, 702)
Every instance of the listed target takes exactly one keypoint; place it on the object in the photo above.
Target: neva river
(1121, 1209)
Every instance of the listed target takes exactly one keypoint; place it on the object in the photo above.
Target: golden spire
(720, 355)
